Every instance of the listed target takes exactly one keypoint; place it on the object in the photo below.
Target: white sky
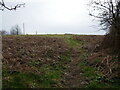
(51, 17)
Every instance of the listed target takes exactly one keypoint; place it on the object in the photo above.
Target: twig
(3, 6)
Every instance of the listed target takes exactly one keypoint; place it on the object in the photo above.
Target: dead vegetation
(101, 56)
(52, 61)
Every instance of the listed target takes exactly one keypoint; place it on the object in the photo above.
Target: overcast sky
(51, 17)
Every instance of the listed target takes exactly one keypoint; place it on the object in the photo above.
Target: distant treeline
(15, 30)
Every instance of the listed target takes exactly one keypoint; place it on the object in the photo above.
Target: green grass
(91, 73)
(71, 42)
(19, 80)
(96, 78)
(97, 84)
(47, 77)
(50, 75)
(65, 56)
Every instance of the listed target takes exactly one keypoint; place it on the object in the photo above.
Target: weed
(35, 63)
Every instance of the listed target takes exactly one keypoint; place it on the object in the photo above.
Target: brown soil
(19, 51)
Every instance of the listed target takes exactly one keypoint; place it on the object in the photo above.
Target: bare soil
(29, 54)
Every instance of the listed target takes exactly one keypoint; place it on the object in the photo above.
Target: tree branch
(3, 6)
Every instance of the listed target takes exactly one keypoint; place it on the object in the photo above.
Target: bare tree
(15, 30)
(3, 32)
(3, 6)
(108, 13)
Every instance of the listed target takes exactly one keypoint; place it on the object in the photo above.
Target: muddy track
(72, 77)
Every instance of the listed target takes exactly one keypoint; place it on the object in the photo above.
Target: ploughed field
(51, 61)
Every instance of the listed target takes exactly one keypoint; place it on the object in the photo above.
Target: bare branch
(107, 11)
(3, 6)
